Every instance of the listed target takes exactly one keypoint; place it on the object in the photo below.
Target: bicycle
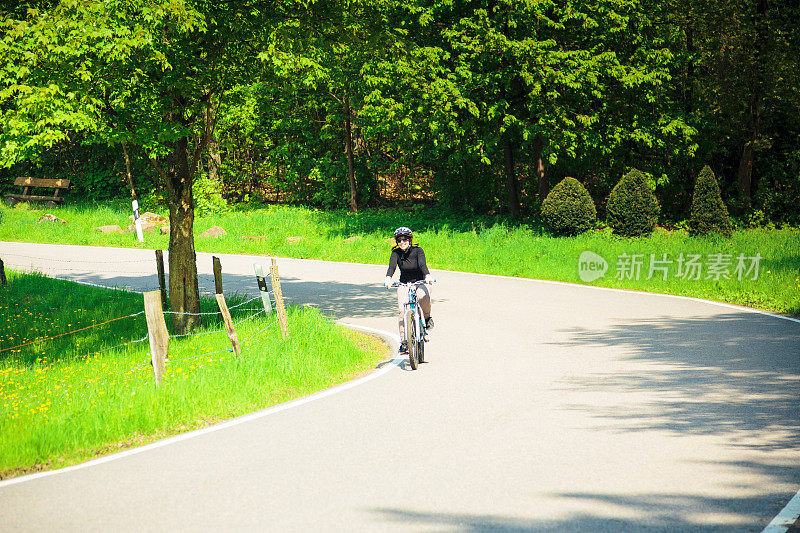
(414, 322)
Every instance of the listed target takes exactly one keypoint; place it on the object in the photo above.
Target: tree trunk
(745, 177)
(746, 171)
(348, 141)
(214, 159)
(544, 186)
(128, 174)
(511, 180)
(688, 82)
(184, 293)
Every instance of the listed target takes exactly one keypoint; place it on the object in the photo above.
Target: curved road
(544, 407)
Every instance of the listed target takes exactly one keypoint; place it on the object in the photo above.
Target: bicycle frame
(417, 310)
(416, 313)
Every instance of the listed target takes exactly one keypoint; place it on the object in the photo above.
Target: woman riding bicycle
(411, 260)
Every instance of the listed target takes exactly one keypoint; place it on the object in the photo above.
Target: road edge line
(786, 518)
(392, 340)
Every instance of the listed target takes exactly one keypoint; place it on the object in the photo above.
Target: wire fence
(85, 356)
(227, 350)
(215, 312)
(42, 363)
(92, 261)
(221, 330)
(255, 312)
(54, 274)
(92, 269)
(60, 335)
(115, 375)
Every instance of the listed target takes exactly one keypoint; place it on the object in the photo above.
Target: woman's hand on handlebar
(429, 280)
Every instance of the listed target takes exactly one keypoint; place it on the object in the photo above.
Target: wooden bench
(58, 186)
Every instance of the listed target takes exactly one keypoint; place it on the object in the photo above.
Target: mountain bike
(414, 322)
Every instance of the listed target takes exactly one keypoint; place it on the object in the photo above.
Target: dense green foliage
(632, 206)
(477, 105)
(709, 213)
(568, 209)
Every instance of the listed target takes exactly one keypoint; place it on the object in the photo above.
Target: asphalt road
(543, 407)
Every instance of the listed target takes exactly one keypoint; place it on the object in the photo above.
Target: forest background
(475, 106)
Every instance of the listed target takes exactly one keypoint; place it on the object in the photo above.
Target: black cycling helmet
(403, 232)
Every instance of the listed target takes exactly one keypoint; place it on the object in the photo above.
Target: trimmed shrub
(632, 206)
(709, 214)
(568, 209)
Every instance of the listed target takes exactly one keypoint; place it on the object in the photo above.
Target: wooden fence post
(262, 287)
(162, 280)
(217, 275)
(2, 273)
(157, 332)
(276, 289)
(226, 316)
(217, 279)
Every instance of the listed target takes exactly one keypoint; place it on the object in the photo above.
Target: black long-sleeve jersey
(411, 262)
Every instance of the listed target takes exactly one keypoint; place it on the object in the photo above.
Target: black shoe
(403, 348)
(429, 323)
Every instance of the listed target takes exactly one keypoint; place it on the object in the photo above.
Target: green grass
(473, 244)
(72, 398)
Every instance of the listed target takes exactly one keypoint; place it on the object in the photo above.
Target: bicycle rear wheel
(411, 338)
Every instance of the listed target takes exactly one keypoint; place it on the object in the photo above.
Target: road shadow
(645, 513)
(340, 300)
(334, 299)
(734, 374)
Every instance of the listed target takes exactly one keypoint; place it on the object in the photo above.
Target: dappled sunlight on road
(610, 513)
(729, 375)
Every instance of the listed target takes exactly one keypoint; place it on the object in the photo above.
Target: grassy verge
(478, 244)
(71, 398)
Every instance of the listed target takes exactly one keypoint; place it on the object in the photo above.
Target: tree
(568, 209)
(138, 72)
(742, 80)
(326, 48)
(504, 82)
(632, 207)
(709, 213)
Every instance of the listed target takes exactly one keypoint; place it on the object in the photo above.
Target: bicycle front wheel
(420, 336)
(411, 338)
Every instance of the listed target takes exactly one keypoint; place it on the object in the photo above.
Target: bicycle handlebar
(411, 283)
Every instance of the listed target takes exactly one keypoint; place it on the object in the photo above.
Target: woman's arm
(392, 264)
(423, 267)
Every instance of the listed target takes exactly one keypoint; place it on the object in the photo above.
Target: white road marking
(392, 339)
(787, 517)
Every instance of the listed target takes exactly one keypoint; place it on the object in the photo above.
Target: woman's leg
(402, 298)
(424, 299)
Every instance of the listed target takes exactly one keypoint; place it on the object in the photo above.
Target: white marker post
(136, 221)
(262, 287)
